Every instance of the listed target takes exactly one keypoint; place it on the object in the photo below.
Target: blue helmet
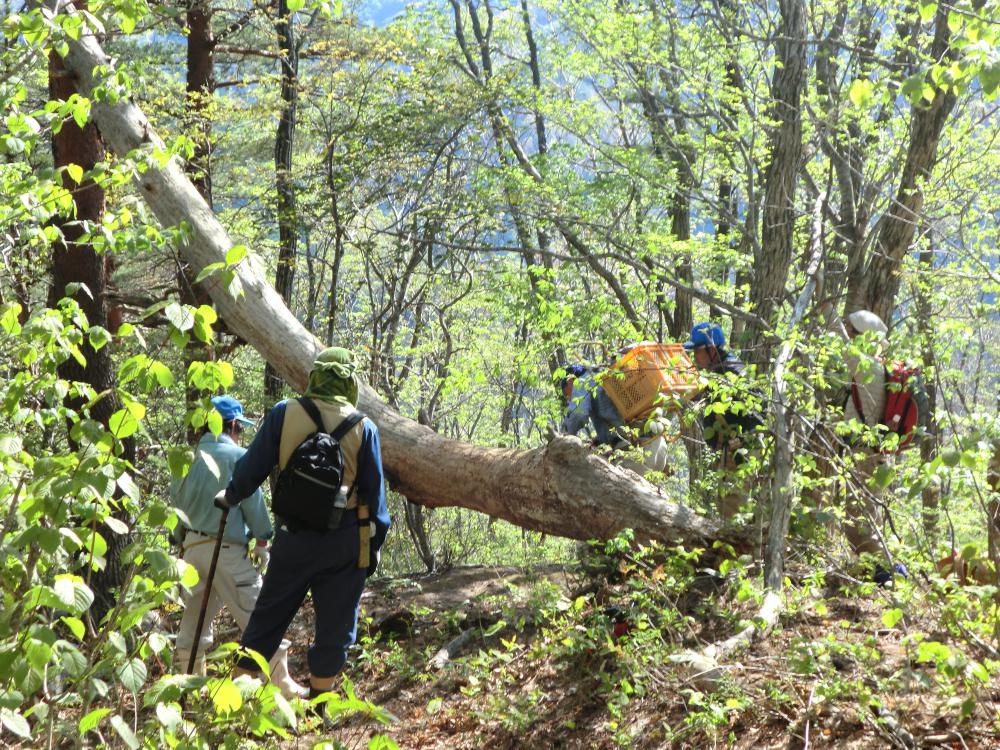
(706, 334)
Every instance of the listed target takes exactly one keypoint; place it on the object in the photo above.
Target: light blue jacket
(195, 493)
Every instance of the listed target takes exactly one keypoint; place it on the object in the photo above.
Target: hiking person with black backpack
(235, 582)
(331, 519)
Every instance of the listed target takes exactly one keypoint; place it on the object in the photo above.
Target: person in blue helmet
(727, 429)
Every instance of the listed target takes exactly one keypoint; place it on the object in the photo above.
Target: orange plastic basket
(644, 373)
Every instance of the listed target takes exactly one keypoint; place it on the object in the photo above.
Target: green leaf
(162, 374)
(179, 316)
(891, 617)
(76, 626)
(122, 424)
(98, 337)
(117, 642)
(294, 5)
(157, 642)
(9, 320)
(189, 574)
(989, 78)
(91, 720)
(132, 674)
(381, 742)
(125, 732)
(75, 172)
(127, 485)
(73, 593)
(913, 88)
(884, 475)
(208, 271)
(927, 11)
(15, 723)
(168, 714)
(116, 525)
(237, 252)
(225, 695)
(10, 444)
(80, 110)
(38, 654)
(955, 21)
(860, 92)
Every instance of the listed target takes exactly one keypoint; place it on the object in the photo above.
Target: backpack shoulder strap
(313, 412)
(856, 398)
(344, 427)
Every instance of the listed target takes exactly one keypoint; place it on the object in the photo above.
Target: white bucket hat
(864, 321)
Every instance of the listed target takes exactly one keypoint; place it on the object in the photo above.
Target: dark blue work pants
(325, 563)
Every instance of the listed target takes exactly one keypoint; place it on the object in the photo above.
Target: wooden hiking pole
(208, 590)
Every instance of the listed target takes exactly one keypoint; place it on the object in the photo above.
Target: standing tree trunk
(771, 276)
(200, 88)
(284, 143)
(876, 287)
(75, 260)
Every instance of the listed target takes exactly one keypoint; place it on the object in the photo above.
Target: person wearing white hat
(866, 404)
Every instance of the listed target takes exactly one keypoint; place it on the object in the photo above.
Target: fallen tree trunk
(559, 488)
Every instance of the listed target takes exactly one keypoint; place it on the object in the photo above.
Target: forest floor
(540, 663)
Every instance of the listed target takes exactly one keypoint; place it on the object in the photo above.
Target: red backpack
(905, 401)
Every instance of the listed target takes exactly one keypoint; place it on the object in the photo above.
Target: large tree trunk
(198, 116)
(771, 276)
(559, 488)
(876, 288)
(75, 260)
(284, 143)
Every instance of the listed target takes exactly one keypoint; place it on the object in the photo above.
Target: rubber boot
(181, 658)
(280, 676)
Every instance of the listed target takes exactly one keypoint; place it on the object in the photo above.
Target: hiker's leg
(200, 557)
(238, 583)
(336, 595)
(730, 495)
(861, 509)
(282, 593)
(280, 675)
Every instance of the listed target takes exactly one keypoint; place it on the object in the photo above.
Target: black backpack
(308, 491)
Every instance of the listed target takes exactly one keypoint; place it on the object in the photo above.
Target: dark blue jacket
(262, 457)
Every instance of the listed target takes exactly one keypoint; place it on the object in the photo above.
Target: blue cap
(706, 334)
(230, 409)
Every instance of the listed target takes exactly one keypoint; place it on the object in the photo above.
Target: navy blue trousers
(325, 563)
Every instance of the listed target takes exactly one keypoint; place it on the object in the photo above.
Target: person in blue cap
(727, 428)
(237, 582)
(331, 563)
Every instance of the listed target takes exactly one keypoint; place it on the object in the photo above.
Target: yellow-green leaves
(125, 422)
(861, 93)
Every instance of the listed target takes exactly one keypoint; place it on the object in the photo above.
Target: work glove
(260, 555)
(222, 503)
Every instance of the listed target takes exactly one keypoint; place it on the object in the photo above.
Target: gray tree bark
(787, 86)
